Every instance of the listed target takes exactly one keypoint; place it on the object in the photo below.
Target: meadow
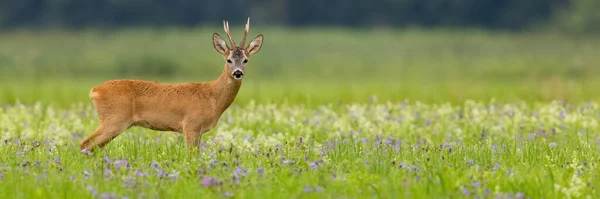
(354, 150)
(309, 66)
(327, 113)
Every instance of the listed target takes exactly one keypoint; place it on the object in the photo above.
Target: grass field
(309, 66)
(360, 150)
(322, 113)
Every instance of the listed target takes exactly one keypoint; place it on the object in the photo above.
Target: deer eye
(245, 61)
(229, 61)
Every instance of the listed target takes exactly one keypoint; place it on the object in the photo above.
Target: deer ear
(255, 45)
(220, 44)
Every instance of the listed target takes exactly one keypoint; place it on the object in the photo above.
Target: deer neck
(225, 89)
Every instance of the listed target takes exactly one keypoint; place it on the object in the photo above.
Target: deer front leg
(194, 128)
(193, 136)
(192, 139)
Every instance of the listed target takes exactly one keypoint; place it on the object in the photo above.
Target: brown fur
(192, 108)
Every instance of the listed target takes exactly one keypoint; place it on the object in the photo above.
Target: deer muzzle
(237, 74)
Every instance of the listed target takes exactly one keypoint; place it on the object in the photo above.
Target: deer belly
(159, 123)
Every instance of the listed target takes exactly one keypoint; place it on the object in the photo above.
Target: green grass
(358, 150)
(481, 118)
(310, 66)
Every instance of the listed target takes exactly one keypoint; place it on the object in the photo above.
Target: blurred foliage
(509, 14)
(582, 16)
(309, 65)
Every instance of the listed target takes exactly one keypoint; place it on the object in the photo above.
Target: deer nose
(238, 74)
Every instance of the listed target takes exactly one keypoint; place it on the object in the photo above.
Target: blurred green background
(314, 52)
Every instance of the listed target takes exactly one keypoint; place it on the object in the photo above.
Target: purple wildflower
(313, 165)
(208, 181)
(519, 195)
(260, 170)
(75, 136)
(1, 176)
(389, 141)
(427, 122)
(129, 183)
(106, 160)
(334, 176)
(108, 196)
(107, 173)
(122, 162)
(319, 188)
(476, 184)
(486, 192)
(470, 162)
(496, 166)
(57, 160)
(465, 191)
(300, 141)
(307, 189)
(241, 171)
(200, 170)
(398, 145)
(138, 173)
(365, 141)
(322, 152)
(92, 190)
(24, 164)
(36, 163)
(228, 194)
(86, 173)
(401, 165)
(235, 177)
(72, 178)
(161, 174)
(86, 151)
(154, 165)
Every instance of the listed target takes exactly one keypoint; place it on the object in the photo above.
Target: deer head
(236, 56)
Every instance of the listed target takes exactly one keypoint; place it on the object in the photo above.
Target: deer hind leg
(105, 133)
(112, 123)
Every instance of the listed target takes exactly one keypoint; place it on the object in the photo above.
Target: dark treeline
(505, 14)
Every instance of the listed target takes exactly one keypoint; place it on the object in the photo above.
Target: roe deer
(191, 108)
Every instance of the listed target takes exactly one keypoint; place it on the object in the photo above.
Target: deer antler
(245, 33)
(226, 27)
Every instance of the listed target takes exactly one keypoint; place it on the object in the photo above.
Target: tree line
(495, 14)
